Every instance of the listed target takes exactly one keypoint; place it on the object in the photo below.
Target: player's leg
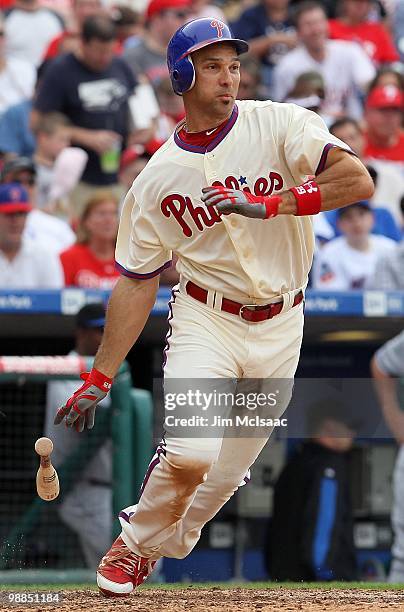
(272, 360)
(198, 348)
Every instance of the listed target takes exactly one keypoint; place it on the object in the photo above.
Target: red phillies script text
(178, 206)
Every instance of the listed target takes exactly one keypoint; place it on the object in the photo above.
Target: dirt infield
(226, 600)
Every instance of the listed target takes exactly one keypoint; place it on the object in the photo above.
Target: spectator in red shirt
(90, 263)
(383, 115)
(354, 25)
(68, 40)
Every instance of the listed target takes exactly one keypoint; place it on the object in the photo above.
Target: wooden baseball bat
(47, 481)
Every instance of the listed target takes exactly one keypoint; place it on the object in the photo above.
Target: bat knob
(44, 446)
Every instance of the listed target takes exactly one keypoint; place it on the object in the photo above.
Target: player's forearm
(386, 389)
(344, 182)
(128, 309)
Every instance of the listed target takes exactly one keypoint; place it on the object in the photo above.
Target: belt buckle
(240, 314)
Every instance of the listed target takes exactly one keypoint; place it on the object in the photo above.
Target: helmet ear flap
(183, 75)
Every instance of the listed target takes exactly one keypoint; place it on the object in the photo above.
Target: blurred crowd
(85, 101)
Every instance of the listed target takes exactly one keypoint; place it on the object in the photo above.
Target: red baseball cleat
(121, 570)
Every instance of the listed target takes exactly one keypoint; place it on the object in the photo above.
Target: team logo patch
(219, 26)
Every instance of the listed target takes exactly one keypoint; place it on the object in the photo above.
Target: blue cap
(365, 204)
(14, 198)
(91, 316)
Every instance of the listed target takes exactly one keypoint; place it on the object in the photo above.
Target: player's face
(356, 223)
(217, 69)
(353, 137)
(313, 28)
(384, 122)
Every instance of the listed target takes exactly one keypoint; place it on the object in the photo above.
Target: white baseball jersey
(265, 147)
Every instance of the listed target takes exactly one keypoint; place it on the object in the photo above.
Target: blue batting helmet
(190, 37)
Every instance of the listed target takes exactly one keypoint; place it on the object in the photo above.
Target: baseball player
(387, 366)
(232, 193)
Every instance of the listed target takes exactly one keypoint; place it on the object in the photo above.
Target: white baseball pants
(190, 479)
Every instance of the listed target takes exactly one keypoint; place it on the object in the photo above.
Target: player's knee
(190, 468)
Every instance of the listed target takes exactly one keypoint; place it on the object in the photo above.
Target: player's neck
(200, 122)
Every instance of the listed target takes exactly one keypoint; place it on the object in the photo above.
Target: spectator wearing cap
(308, 91)
(69, 39)
(388, 75)
(87, 508)
(29, 29)
(346, 263)
(22, 264)
(344, 66)
(384, 137)
(93, 94)
(389, 181)
(354, 25)
(270, 32)
(41, 228)
(90, 263)
(17, 75)
(163, 18)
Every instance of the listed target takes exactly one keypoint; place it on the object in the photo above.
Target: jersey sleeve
(139, 253)
(307, 143)
(390, 357)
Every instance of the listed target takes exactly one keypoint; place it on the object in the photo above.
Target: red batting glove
(80, 408)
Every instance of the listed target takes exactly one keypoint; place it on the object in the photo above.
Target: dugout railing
(32, 536)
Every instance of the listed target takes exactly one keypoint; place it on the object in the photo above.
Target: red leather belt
(249, 312)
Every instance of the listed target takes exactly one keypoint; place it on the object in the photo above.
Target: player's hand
(79, 409)
(228, 201)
